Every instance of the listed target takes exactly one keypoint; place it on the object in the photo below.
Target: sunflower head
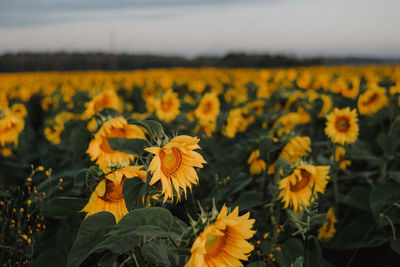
(100, 149)
(108, 196)
(174, 165)
(105, 99)
(208, 108)
(372, 100)
(328, 230)
(167, 106)
(341, 126)
(302, 185)
(10, 128)
(257, 165)
(223, 242)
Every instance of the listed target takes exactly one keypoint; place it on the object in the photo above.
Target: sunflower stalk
(334, 179)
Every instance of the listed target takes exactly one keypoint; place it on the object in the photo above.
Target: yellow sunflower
(6, 152)
(106, 99)
(287, 122)
(296, 189)
(327, 230)
(167, 106)
(372, 100)
(238, 121)
(352, 92)
(208, 127)
(19, 110)
(327, 105)
(257, 165)
(99, 148)
(223, 243)
(174, 164)
(10, 128)
(53, 133)
(296, 148)
(341, 126)
(108, 196)
(208, 108)
(339, 157)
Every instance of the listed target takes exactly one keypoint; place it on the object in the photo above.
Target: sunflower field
(201, 167)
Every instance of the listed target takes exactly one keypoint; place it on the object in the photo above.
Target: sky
(204, 27)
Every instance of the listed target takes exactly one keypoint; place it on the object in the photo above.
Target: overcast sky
(190, 28)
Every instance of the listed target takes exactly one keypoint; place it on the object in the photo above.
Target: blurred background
(121, 35)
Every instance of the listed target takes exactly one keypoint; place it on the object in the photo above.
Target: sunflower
(99, 148)
(10, 128)
(223, 243)
(327, 230)
(53, 133)
(372, 100)
(287, 122)
(297, 188)
(327, 105)
(208, 127)
(341, 126)
(296, 148)
(167, 106)
(352, 92)
(208, 108)
(339, 157)
(108, 196)
(6, 152)
(106, 99)
(238, 121)
(174, 164)
(257, 165)
(19, 110)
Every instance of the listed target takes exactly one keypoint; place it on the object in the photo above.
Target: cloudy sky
(190, 27)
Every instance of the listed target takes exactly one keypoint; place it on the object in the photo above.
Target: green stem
(335, 182)
(383, 169)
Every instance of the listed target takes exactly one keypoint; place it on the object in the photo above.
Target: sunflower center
(342, 124)
(105, 146)
(206, 107)
(171, 159)
(113, 192)
(214, 244)
(8, 129)
(371, 99)
(300, 184)
(166, 104)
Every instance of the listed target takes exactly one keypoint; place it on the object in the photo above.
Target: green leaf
(62, 206)
(395, 245)
(234, 185)
(79, 139)
(156, 252)
(382, 200)
(291, 250)
(131, 146)
(151, 222)
(80, 178)
(361, 232)
(93, 176)
(93, 236)
(89, 239)
(154, 128)
(131, 191)
(248, 200)
(358, 198)
(54, 257)
(299, 262)
(388, 143)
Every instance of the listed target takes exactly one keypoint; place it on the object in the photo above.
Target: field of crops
(201, 167)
